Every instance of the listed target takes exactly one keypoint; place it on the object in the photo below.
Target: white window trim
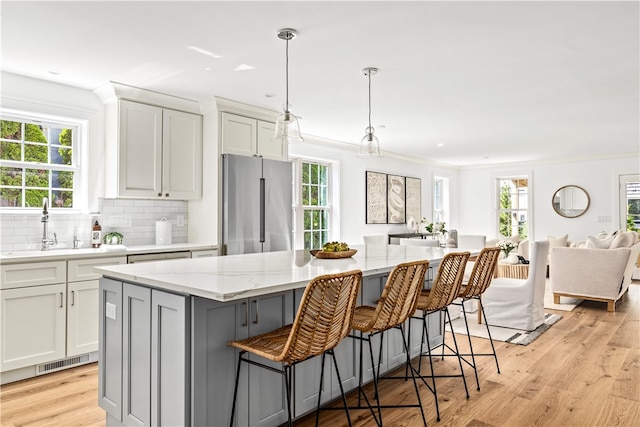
(332, 196)
(80, 177)
(495, 194)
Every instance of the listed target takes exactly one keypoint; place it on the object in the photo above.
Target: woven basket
(333, 255)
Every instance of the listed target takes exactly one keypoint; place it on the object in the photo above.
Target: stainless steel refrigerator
(257, 205)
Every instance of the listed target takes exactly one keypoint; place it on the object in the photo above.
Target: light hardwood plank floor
(584, 371)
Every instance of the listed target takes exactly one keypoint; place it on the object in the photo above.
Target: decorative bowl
(333, 255)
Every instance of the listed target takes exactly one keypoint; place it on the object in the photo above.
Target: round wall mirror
(570, 201)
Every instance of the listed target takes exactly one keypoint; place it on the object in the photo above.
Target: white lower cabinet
(32, 324)
(82, 317)
(144, 369)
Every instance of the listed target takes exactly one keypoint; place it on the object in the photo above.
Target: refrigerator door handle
(262, 209)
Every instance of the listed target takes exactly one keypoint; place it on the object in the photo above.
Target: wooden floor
(584, 371)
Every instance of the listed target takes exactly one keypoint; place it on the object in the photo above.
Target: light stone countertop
(233, 277)
(104, 251)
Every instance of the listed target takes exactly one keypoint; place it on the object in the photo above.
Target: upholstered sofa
(596, 274)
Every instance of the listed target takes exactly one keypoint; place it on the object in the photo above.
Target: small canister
(163, 232)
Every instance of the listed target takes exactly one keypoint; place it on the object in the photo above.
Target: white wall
(599, 177)
(352, 188)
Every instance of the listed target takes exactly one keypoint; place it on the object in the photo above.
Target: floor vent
(46, 368)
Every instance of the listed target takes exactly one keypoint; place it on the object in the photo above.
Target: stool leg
(455, 343)
(344, 398)
(473, 357)
(235, 389)
(413, 376)
(375, 378)
(433, 378)
(287, 385)
(493, 349)
(320, 390)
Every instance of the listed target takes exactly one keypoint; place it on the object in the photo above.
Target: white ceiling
(493, 82)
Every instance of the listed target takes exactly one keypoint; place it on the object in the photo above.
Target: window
(630, 202)
(38, 158)
(440, 199)
(313, 216)
(513, 206)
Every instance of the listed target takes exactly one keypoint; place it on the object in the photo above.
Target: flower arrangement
(506, 246)
(431, 227)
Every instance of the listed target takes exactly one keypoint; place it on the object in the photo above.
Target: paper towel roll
(163, 232)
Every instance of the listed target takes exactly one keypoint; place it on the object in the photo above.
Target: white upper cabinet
(154, 152)
(250, 137)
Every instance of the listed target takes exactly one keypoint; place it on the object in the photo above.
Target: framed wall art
(413, 199)
(396, 208)
(376, 198)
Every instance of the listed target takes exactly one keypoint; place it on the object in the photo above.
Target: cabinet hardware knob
(159, 194)
(166, 194)
(73, 298)
(61, 299)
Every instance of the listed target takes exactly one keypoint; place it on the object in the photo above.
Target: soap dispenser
(96, 235)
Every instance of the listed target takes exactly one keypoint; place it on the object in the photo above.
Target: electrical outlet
(180, 220)
(110, 311)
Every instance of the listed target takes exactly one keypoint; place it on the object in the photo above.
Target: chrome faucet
(44, 219)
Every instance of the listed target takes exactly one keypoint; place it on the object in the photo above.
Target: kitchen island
(164, 328)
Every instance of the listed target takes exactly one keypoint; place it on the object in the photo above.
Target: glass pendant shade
(369, 146)
(287, 129)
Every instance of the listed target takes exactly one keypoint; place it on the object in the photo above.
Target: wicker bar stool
(396, 304)
(479, 280)
(445, 288)
(323, 319)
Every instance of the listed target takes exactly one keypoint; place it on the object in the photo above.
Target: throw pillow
(555, 242)
(622, 240)
(595, 243)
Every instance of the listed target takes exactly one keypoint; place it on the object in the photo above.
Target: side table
(513, 271)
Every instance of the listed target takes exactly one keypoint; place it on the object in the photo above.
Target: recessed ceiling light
(381, 126)
(269, 95)
(244, 67)
(440, 144)
(203, 51)
(207, 69)
(54, 71)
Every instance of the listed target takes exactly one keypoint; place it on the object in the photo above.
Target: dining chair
(396, 304)
(323, 319)
(445, 288)
(376, 239)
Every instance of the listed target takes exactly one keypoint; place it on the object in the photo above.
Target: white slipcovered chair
(519, 303)
(376, 239)
(471, 241)
(420, 242)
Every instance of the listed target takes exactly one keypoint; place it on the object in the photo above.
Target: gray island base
(164, 328)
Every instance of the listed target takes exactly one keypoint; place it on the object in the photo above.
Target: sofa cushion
(598, 242)
(556, 242)
(623, 240)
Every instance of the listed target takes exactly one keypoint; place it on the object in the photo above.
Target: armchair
(519, 303)
(592, 274)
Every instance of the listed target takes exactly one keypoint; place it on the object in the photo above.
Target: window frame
(497, 179)
(300, 209)
(79, 127)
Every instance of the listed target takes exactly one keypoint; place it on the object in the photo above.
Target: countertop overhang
(233, 277)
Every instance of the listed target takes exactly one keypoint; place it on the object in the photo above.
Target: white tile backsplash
(23, 232)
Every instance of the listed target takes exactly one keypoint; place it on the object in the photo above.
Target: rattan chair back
(324, 316)
(482, 273)
(446, 285)
(399, 297)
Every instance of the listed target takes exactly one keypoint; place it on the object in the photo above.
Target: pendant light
(369, 146)
(287, 128)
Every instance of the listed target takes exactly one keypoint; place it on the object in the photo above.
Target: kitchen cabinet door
(214, 362)
(267, 397)
(110, 348)
(181, 155)
(170, 359)
(140, 150)
(247, 136)
(32, 325)
(82, 317)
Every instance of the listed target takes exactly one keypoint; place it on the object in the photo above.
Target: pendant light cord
(369, 75)
(286, 105)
